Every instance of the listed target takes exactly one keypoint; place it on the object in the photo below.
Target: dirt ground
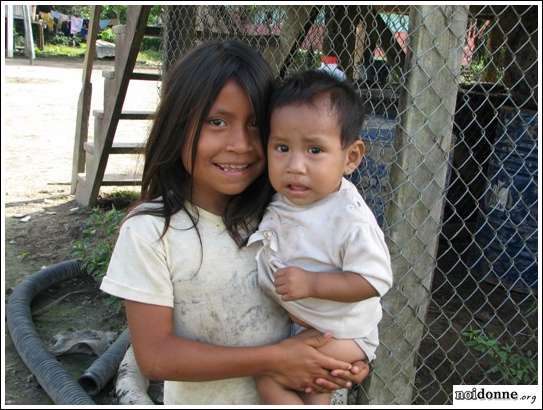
(39, 107)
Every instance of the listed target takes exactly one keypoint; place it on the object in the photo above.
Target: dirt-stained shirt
(211, 286)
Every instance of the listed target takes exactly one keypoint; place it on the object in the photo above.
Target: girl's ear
(355, 153)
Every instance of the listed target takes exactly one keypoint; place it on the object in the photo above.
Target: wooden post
(9, 32)
(418, 182)
(29, 40)
(41, 39)
(295, 27)
(85, 96)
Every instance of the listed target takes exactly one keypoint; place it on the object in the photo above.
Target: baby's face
(305, 159)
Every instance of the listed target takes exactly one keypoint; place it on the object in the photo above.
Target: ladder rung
(145, 76)
(153, 31)
(114, 179)
(119, 148)
(130, 115)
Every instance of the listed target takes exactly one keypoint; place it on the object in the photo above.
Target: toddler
(323, 256)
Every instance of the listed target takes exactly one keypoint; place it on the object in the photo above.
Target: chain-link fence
(451, 173)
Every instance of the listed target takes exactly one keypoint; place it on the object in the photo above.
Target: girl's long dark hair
(188, 92)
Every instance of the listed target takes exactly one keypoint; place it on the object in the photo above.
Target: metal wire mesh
(451, 173)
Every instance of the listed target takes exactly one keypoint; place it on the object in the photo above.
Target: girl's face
(229, 155)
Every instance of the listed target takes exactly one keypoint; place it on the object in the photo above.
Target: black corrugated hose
(57, 383)
(105, 367)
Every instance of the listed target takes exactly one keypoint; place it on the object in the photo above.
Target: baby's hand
(293, 283)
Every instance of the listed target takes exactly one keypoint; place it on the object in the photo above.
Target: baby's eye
(216, 122)
(315, 150)
(281, 148)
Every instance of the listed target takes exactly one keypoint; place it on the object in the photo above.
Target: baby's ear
(355, 153)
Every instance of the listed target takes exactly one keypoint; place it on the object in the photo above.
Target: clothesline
(70, 24)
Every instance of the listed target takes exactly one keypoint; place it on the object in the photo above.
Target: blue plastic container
(372, 176)
(509, 232)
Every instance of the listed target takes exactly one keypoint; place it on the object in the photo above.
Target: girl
(194, 308)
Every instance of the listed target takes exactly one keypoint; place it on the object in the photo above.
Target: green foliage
(115, 11)
(124, 193)
(150, 43)
(80, 11)
(515, 368)
(63, 40)
(107, 35)
(98, 240)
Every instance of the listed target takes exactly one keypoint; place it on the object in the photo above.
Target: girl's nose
(240, 140)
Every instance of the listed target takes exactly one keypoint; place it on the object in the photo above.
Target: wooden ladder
(90, 158)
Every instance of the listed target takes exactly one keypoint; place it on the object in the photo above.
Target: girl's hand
(293, 283)
(299, 364)
(356, 375)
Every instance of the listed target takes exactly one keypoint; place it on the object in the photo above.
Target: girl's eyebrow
(220, 112)
(226, 113)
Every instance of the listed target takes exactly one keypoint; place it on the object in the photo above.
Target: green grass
(147, 57)
(57, 50)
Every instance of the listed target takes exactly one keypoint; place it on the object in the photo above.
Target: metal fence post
(418, 180)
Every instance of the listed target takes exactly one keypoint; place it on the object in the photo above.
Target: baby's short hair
(304, 87)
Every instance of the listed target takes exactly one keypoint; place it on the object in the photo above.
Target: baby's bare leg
(272, 392)
(341, 349)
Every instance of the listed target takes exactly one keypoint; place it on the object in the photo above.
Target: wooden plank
(146, 76)
(29, 39)
(129, 115)
(418, 186)
(119, 148)
(85, 96)
(153, 31)
(125, 62)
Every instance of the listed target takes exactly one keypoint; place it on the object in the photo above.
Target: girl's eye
(217, 122)
(315, 150)
(281, 148)
(253, 124)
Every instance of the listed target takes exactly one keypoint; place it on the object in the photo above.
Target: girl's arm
(161, 355)
(294, 283)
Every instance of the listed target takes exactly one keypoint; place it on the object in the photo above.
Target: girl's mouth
(232, 169)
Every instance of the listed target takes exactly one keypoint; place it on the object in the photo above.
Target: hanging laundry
(48, 19)
(65, 28)
(104, 23)
(76, 24)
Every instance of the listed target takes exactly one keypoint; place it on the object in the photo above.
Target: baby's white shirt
(336, 233)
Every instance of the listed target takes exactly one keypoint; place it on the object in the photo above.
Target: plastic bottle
(329, 64)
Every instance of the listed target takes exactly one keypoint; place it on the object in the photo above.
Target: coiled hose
(57, 383)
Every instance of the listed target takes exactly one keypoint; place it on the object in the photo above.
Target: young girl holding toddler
(197, 317)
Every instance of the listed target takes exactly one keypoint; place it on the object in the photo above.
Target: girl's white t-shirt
(212, 287)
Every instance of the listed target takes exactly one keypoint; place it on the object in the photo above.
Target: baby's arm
(294, 283)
